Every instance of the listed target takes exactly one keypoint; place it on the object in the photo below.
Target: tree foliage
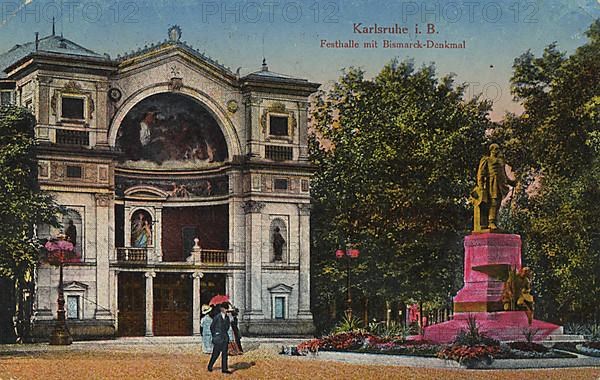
(22, 204)
(554, 147)
(395, 158)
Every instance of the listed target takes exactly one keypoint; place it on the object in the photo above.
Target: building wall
(253, 204)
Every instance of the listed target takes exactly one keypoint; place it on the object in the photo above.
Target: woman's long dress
(233, 347)
(207, 345)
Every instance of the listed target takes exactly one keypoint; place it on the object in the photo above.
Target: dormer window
(73, 107)
(279, 125)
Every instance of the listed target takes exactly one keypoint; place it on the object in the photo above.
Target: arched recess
(204, 100)
(73, 228)
(142, 228)
(278, 226)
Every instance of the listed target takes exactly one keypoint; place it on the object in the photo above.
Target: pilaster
(253, 212)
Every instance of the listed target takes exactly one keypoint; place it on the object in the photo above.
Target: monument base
(501, 325)
(488, 258)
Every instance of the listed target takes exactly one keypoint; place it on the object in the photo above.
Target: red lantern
(353, 252)
(339, 253)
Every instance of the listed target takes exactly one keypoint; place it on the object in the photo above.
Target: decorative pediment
(281, 288)
(75, 286)
(146, 192)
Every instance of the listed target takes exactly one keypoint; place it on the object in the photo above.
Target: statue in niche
(71, 233)
(141, 230)
(492, 187)
(278, 243)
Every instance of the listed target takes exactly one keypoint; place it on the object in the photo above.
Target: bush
(348, 324)
(471, 336)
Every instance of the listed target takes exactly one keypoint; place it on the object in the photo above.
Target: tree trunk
(7, 310)
(333, 309)
(365, 311)
(388, 312)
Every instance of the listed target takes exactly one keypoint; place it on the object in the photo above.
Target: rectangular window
(280, 184)
(73, 171)
(72, 108)
(279, 307)
(5, 97)
(73, 307)
(278, 125)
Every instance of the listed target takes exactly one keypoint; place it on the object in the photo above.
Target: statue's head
(494, 150)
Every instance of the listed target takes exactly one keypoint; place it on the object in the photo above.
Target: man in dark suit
(219, 329)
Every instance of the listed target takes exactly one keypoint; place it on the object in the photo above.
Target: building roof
(59, 45)
(51, 43)
(265, 75)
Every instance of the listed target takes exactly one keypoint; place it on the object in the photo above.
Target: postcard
(299, 188)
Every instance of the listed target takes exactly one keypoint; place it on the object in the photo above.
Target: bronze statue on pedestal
(492, 187)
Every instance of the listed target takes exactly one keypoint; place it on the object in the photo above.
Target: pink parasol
(219, 299)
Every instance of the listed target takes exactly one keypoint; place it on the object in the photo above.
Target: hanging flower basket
(60, 251)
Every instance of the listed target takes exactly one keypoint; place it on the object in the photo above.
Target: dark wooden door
(131, 304)
(172, 304)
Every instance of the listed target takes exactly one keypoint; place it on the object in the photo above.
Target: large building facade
(181, 180)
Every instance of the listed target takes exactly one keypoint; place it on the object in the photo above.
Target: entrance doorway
(211, 285)
(131, 304)
(173, 304)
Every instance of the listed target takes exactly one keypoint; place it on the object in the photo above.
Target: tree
(554, 147)
(395, 159)
(22, 205)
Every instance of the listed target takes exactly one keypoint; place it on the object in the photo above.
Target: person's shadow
(241, 366)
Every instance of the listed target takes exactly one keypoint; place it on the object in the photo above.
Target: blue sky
(288, 33)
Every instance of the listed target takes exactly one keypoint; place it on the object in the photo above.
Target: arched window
(141, 229)
(73, 229)
(278, 237)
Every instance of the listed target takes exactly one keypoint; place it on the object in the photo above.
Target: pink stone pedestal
(488, 257)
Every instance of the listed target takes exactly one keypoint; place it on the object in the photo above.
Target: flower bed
(368, 343)
(469, 354)
(463, 353)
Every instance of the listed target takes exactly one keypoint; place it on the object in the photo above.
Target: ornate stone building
(182, 180)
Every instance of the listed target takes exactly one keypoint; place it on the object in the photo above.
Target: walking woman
(205, 322)
(236, 331)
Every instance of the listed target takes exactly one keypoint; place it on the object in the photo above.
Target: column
(149, 302)
(253, 259)
(127, 226)
(103, 203)
(304, 251)
(114, 305)
(196, 307)
(157, 231)
(229, 288)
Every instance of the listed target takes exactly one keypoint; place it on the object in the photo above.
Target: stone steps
(562, 338)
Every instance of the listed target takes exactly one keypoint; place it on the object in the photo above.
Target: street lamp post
(60, 251)
(350, 253)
